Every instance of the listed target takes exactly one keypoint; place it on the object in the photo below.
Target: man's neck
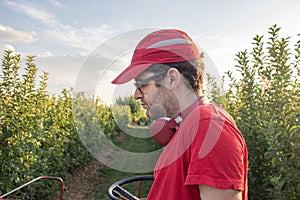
(188, 98)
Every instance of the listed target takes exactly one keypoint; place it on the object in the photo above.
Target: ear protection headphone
(163, 129)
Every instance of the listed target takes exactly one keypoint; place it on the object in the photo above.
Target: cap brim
(130, 73)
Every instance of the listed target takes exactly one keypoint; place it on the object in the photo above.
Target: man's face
(157, 99)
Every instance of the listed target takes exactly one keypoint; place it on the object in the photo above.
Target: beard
(164, 104)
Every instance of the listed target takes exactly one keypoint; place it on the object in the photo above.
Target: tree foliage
(137, 113)
(265, 103)
(37, 132)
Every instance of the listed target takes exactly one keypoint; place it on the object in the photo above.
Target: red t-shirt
(206, 149)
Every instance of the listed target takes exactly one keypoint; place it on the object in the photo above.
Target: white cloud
(7, 33)
(56, 3)
(85, 38)
(7, 47)
(45, 54)
(63, 70)
(31, 11)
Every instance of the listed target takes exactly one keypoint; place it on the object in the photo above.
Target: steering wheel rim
(116, 192)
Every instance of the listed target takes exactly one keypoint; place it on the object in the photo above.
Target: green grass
(135, 144)
(132, 144)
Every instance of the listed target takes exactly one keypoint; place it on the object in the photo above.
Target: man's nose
(137, 94)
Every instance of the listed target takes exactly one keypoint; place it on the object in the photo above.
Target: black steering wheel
(116, 192)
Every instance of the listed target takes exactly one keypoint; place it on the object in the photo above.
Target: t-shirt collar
(202, 100)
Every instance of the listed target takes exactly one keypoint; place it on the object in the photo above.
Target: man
(206, 156)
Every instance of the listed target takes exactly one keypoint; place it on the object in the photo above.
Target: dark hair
(192, 70)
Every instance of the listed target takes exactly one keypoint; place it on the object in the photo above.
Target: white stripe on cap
(169, 42)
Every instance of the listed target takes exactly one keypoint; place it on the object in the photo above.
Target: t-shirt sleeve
(217, 156)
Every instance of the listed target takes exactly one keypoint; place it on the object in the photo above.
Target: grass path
(129, 143)
(90, 182)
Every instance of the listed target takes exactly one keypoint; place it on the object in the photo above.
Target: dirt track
(84, 183)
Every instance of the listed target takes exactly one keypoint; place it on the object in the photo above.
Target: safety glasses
(140, 84)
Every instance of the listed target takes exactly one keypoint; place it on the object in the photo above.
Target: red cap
(159, 47)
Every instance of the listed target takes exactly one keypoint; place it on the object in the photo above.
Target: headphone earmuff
(163, 129)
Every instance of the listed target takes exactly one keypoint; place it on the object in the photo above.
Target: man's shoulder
(202, 111)
(208, 111)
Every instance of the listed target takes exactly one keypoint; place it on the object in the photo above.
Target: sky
(63, 35)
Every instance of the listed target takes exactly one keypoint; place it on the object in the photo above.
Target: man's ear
(174, 78)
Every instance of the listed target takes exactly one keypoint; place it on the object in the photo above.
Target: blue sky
(62, 34)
